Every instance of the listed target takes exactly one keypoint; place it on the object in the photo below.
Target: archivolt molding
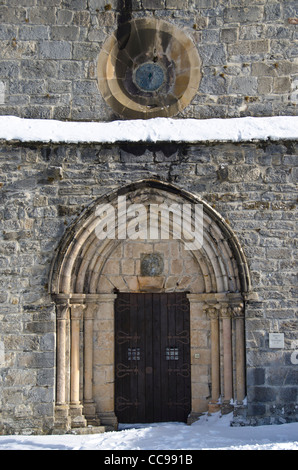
(81, 257)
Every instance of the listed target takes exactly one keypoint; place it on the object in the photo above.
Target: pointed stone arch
(87, 273)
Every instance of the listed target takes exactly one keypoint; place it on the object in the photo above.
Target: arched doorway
(110, 251)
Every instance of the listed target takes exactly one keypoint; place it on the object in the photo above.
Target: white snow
(210, 432)
(151, 130)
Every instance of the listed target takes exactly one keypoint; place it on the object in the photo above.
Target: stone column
(105, 346)
(215, 365)
(199, 329)
(240, 353)
(62, 420)
(89, 405)
(226, 314)
(77, 419)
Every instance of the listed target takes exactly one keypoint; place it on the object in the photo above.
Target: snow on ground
(151, 130)
(209, 433)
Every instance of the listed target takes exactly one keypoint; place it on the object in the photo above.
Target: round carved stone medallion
(148, 68)
(152, 264)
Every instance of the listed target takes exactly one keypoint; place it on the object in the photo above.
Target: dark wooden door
(152, 358)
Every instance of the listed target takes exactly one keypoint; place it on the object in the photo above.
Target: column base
(226, 407)
(213, 407)
(109, 420)
(62, 418)
(193, 417)
(240, 416)
(90, 413)
(78, 420)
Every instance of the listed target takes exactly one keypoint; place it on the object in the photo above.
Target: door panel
(152, 357)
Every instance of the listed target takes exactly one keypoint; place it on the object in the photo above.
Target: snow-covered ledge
(153, 130)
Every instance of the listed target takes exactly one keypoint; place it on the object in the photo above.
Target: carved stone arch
(87, 273)
(221, 252)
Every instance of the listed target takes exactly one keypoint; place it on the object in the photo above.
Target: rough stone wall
(45, 187)
(48, 59)
(49, 51)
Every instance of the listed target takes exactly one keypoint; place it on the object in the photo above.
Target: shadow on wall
(123, 26)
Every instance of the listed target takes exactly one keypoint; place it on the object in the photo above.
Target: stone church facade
(91, 327)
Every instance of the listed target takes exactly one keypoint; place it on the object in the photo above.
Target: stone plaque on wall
(276, 340)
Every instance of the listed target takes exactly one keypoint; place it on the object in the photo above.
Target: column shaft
(62, 419)
(88, 357)
(227, 353)
(78, 420)
(89, 404)
(215, 365)
(62, 317)
(240, 353)
(76, 314)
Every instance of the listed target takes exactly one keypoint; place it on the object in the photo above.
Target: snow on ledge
(152, 130)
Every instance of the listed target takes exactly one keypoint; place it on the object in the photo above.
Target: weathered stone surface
(45, 189)
(48, 63)
(240, 48)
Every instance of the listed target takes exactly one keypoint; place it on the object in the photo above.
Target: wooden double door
(152, 358)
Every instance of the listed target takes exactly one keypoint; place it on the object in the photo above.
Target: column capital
(62, 311)
(89, 311)
(225, 311)
(232, 311)
(238, 311)
(212, 313)
(76, 311)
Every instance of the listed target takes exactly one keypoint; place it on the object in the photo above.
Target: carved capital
(238, 311)
(226, 311)
(212, 313)
(76, 311)
(89, 312)
(62, 311)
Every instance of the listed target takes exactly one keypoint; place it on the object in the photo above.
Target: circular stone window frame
(138, 42)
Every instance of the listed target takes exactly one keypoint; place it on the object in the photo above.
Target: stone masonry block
(12, 15)
(42, 15)
(96, 4)
(153, 4)
(65, 33)
(245, 85)
(212, 54)
(55, 50)
(282, 85)
(176, 4)
(229, 35)
(248, 14)
(261, 69)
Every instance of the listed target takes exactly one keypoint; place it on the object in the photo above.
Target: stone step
(88, 430)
